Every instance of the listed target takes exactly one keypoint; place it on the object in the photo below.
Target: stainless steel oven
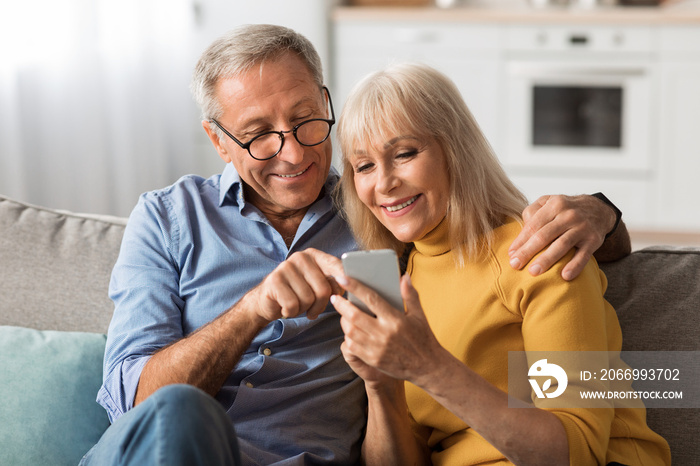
(579, 98)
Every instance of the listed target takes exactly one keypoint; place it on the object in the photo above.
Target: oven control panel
(589, 38)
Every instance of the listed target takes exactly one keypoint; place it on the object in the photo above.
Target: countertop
(671, 13)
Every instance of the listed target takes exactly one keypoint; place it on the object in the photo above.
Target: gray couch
(54, 312)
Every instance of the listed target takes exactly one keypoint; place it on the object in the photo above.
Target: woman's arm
(524, 436)
(389, 438)
(403, 346)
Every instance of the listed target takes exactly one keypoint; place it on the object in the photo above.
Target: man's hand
(206, 357)
(301, 284)
(559, 223)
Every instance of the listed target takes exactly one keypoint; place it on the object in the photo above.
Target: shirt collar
(230, 181)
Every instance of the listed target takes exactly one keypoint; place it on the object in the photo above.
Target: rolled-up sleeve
(148, 308)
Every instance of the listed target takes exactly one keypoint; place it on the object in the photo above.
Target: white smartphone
(378, 269)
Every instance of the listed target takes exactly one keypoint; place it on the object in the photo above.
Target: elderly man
(221, 288)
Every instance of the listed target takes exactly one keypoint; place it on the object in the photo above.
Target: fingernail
(334, 298)
(535, 269)
(515, 263)
(342, 280)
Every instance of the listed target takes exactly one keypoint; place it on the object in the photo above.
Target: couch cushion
(55, 267)
(48, 384)
(656, 293)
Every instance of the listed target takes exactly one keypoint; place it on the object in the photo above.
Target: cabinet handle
(578, 39)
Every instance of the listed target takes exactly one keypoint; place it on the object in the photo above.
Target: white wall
(94, 94)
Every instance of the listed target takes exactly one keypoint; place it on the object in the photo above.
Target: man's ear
(216, 141)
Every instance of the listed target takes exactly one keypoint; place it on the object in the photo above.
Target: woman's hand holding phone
(391, 343)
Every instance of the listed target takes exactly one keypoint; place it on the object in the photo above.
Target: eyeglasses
(267, 145)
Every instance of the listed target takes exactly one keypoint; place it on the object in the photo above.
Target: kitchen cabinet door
(679, 125)
(679, 148)
(468, 54)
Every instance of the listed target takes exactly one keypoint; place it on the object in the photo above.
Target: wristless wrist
(618, 212)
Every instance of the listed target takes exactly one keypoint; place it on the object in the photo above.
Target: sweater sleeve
(568, 316)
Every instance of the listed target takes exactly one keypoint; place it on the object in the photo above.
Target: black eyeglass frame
(281, 134)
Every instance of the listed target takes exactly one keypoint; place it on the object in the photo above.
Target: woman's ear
(216, 141)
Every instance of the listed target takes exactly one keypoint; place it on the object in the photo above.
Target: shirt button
(249, 385)
(267, 351)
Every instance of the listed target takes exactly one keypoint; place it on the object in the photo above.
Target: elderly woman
(419, 174)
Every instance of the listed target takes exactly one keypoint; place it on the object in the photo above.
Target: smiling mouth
(294, 175)
(403, 205)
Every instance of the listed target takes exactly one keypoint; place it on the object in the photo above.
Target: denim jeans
(177, 425)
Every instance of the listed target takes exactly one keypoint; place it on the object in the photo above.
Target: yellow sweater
(482, 311)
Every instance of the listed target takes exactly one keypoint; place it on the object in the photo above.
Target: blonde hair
(418, 100)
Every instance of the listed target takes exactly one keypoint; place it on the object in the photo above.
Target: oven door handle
(546, 71)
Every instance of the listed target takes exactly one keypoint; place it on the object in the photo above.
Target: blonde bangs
(375, 112)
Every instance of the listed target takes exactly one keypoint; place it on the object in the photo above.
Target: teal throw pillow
(48, 385)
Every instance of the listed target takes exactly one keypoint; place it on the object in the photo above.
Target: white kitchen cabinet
(679, 124)
(653, 178)
(579, 113)
(470, 56)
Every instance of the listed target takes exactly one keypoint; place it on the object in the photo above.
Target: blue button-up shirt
(191, 251)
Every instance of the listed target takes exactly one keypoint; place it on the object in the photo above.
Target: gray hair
(238, 51)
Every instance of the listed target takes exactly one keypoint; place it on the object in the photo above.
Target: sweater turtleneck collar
(436, 242)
